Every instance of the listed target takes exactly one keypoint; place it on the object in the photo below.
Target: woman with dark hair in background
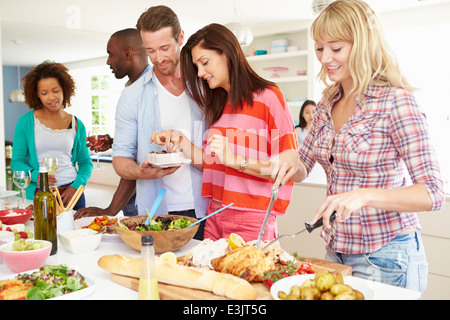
(305, 117)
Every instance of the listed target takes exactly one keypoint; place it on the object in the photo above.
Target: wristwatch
(244, 164)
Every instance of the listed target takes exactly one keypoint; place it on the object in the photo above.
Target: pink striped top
(258, 132)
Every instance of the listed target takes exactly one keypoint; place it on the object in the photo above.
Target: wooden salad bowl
(163, 241)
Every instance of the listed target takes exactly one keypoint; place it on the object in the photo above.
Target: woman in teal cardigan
(49, 130)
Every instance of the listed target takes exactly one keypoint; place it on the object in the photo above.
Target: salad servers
(210, 215)
(155, 206)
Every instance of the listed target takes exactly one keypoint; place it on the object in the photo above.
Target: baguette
(221, 284)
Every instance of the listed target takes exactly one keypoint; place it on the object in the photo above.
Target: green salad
(161, 223)
(52, 281)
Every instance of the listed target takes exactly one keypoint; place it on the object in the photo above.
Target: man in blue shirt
(157, 102)
(127, 58)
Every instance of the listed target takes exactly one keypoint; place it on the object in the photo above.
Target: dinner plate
(8, 193)
(76, 295)
(82, 222)
(285, 285)
(170, 164)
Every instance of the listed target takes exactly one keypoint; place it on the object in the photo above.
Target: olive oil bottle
(45, 212)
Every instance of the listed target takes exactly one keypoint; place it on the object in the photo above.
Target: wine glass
(22, 179)
(51, 163)
(96, 141)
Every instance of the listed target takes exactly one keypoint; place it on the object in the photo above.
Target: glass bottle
(45, 212)
(148, 284)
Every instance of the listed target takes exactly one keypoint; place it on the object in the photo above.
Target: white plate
(170, 164)
(286, 284)
(82, 222)
(8, 193)
(77, 295)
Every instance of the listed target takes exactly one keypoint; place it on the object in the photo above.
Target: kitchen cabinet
(292, 70)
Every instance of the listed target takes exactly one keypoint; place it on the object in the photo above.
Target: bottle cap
(147, 239)
(43, 170)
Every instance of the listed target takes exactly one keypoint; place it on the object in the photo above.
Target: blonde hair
(371, 61)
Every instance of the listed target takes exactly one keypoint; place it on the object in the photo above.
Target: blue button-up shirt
(137, 117)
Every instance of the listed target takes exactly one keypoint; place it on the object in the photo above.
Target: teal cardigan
(25, 158)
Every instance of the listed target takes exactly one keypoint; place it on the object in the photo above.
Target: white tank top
(175, 114)
(59, 144)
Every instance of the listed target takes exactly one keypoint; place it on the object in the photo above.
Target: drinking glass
(96, 142)
(51, 163)
(22, 179)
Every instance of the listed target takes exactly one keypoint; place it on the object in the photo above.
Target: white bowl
(80, 241)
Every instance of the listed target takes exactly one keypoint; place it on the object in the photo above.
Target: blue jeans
(402, 262)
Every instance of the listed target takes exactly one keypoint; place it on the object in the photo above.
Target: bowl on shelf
(80, 241)
(15, 216)
(20, 261)
(260, 52)
(163, 241)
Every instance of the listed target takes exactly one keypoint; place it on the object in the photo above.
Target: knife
(308, 227)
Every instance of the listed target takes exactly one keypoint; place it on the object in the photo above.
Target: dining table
(105, 288)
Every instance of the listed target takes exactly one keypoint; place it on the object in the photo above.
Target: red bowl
(23, 215)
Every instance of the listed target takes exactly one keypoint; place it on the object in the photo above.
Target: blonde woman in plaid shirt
(370, 137)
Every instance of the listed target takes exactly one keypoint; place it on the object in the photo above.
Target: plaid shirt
(386, 135)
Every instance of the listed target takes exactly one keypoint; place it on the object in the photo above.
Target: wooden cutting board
(170, 292)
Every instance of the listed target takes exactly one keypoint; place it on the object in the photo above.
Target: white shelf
(289, 79)
(283, 55)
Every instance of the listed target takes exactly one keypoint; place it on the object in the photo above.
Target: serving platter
(171, 292)
(76, 295)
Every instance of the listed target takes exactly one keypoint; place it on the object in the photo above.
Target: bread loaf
(221, 284)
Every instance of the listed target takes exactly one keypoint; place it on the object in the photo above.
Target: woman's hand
(283, 167)
(219, 146)
(343, 204)
(170, 138)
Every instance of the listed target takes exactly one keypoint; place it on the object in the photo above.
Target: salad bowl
(164, 241)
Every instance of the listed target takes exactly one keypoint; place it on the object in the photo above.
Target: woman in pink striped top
(249, 125)
(370, 137)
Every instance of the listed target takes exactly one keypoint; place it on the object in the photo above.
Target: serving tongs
(308, 227)
(266, 218)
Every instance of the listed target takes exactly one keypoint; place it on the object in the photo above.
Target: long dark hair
(243, 79)
(302, 121)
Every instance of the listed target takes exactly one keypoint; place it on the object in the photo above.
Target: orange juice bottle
(148, 284)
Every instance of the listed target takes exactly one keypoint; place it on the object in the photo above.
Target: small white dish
(167, 160)
(80, 241)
